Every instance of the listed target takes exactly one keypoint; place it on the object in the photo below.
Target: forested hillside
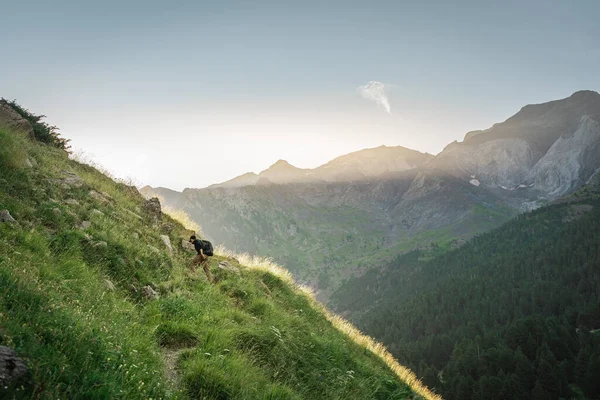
(514, 314)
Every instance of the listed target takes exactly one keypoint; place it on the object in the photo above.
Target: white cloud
(376, 91)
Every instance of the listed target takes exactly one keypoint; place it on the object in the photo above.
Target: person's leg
(195, 261)
(206, 268)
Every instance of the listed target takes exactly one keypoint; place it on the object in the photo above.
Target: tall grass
(71, 305)
(268, 265)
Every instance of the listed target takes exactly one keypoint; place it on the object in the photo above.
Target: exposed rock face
(7, 218)
(546, 149)
(13, 120)
(570, 162)
(153, 209)
(12, 368)
(496, 163)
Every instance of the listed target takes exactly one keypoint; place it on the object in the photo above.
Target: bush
(41, 131)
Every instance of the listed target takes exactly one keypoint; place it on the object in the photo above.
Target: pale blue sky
(149, 88)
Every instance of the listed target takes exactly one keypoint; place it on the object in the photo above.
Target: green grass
(68, 309)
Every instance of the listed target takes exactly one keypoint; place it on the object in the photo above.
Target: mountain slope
(360, 210)
(511, 314)
(325, 232)
(356, 166)
(543, 151)
(98, 305)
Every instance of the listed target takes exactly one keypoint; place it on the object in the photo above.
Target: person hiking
(204, 250)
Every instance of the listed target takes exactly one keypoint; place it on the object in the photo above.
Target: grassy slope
(68, 309)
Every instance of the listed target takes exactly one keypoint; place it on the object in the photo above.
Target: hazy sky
(189, 93)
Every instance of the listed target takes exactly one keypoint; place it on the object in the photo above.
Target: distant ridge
(356, 166)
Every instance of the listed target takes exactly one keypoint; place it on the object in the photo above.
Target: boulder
(12, 368)
(224, 265)
(72, 202)
(167, 241)
(71, 180)
(13, 120)
(84, 225)
(7, 218)
(153, 209)
(149, 293)
(98, 196)
(186, 245)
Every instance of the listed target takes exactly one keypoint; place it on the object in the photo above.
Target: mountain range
(359, 210)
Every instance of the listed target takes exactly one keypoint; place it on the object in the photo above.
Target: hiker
(204, 249)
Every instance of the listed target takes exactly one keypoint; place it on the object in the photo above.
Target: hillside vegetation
(513, 314)
(97, 305)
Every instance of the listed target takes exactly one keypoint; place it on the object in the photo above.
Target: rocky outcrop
(12, 368)
(5, 217)
(570, 162)
(544, 151)
(13, 120)
(149, 293)
(153, 210)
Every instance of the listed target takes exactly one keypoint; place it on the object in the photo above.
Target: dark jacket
(197, 245)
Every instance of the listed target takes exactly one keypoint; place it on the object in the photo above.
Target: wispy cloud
(376, 91)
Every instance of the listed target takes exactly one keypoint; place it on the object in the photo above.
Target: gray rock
(167, 241)
(109, 285)
(13, 120)
(28, 163)
(56, 211)
(135, 235)
(72, 202)
(185, 244)
(224, 265)
(98, 196)
(153, 210)
(149, 293)
(71, 180)
(7, 218)
(84, 225)
(12, 368)
(100, 245)
(97, 213)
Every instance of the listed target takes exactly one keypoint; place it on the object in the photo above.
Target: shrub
(41, 131)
